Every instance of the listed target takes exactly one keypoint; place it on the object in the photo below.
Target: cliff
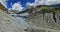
(45, 16)
(3, 8)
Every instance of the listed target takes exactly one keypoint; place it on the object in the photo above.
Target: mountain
(41, 6)
(56, 5)
(3, 8)
(8, 23)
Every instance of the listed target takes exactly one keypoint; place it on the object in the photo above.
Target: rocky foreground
(8, 23)
(47, 20)
(34, 24)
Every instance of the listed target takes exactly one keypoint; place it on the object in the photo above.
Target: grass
(51, 9)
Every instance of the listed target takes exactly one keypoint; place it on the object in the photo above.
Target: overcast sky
(21, 4)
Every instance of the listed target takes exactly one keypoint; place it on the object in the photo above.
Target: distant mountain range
(56, 5)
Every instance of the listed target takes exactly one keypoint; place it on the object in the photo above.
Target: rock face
(3, 8)
(46, 21)
(58, 18)
(8, 23)
(37, 22)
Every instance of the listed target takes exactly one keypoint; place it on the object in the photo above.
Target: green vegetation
(45, 8)
(14, 11)
(49, 9)
(55, 10)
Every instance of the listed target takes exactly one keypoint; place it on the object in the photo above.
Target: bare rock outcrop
(46, 21)
(8, 23)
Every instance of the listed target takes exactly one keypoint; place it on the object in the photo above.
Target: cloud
(11, 3)
(17, 6)
(4, 2)
(29, 4)
(43, 2)
(9, 8)
(51, 2)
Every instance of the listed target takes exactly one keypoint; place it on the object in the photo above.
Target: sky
(22, 4)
